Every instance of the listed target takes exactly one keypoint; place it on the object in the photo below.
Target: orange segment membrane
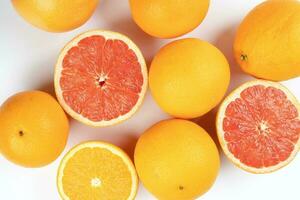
(101, 78)
(261, 127)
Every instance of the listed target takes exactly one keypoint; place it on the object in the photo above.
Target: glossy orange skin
(34, 129)
(267, 42)
(168, 18)
(56, 15)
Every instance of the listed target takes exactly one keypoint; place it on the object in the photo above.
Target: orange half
(97, 170)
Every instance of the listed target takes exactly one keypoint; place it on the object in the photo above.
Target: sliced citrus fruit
(258, 126)
(96, 170)
(100, 78)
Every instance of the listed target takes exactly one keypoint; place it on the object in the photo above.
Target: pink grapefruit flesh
(259, 126)
(100, 78)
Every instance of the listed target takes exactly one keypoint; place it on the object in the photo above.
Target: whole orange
(168, 18)
(188, 77)
(34, 129)
(267, 43)
(56, 15)
(176, 159)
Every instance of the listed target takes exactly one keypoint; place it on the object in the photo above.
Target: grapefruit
(168, 18)
(267, 43)
(100, 78)
(34, 129)
(188, 77)
(176, 159)
(55, 15)
(258, 126)
(97, 170)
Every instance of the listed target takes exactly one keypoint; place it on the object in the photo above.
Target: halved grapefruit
(258, 126)
(100, 78)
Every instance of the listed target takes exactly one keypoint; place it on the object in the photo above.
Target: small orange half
(97, 170)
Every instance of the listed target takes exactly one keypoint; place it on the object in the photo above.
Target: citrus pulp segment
(100, 78)
(258, 126)
(97, 170)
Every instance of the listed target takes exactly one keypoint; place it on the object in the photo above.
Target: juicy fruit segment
(96, 170)
(176, 159)
(259, 126)
(267, 43)
(188, 77)
(101, 77)
(34, 129)
(168, 18)
(55, 15)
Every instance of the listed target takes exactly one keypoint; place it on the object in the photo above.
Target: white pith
(96, 182)
(221, 114)
(114, 149)
(58, 70)
(263, 127)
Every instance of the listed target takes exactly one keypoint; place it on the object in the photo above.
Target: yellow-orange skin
(269, 38)
(34, 129)
(55, 15)
(176, 159)
(188, 77)
(168, 18)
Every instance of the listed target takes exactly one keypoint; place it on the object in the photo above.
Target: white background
(27, 57)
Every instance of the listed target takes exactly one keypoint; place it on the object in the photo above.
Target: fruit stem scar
(181, 187)
(21, 133)
(96, 182)
(244, 57)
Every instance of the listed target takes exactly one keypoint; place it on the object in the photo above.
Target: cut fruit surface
(97, 170)
(258, 126)
(100, 78)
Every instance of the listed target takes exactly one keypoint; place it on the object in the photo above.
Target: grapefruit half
(100, 78)
(258, 126)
